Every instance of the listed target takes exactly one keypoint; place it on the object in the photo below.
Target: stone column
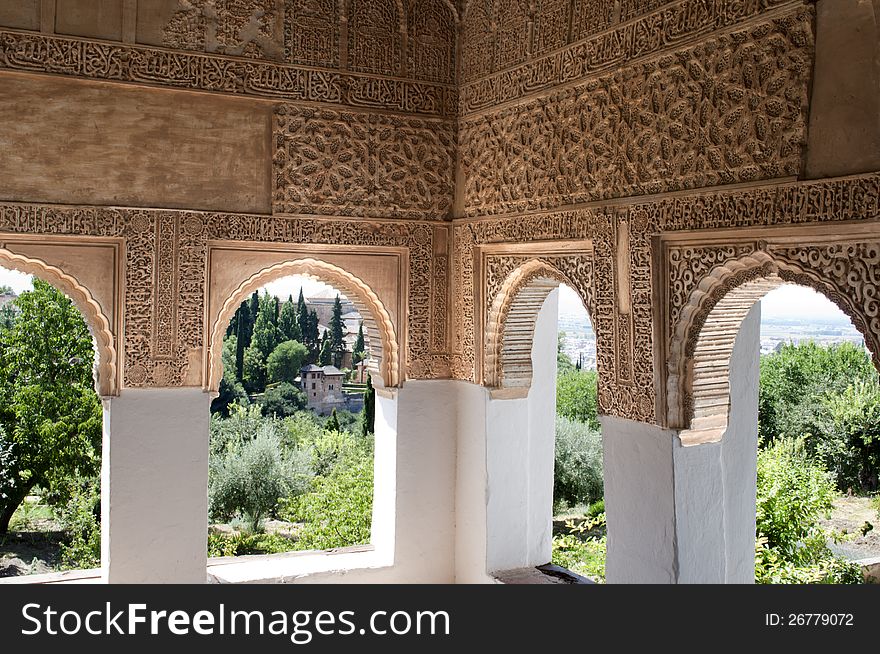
(686, 514)
(154, 486)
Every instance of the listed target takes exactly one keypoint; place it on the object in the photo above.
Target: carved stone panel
(375, 36)
(730, 109)
(329, 162)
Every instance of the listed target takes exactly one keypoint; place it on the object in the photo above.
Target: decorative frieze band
(205, 72)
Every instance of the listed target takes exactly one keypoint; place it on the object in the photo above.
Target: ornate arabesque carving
(431, 38)
(165, 264)
(248, 28)
(729, 109)
(375, 36)
(843, 269)
(329, 162)
(311, 33)
(602, 34)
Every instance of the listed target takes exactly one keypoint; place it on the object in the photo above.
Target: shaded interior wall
(844, 129)
(74, 142)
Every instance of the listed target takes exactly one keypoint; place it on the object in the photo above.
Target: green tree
(337, 331)
(283, 400)
(368, 415)
(312, 336)
(576, 396)
(563, 363)
(326, 356)
(265, 336)
(286, 360)
(358, 353)
(332, 423)
(49, 410)
(288, 325)
(302, 313)
(254, 374)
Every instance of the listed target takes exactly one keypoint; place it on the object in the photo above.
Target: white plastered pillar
(504, 482)
(154, 486)
(686, 514)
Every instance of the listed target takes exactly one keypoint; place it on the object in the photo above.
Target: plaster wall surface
(844, 133)
(520, 445)
(154, 486)
(739, 452)
(639, 501)
(715, 482)
(75, 142)
(471, 487)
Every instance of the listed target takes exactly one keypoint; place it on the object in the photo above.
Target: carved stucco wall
(731, 108)
(575, 122)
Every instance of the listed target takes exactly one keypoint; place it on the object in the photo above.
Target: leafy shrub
(251, 476)
(300, 430)
(80, 518)
(283, 400)
(850, 441)
(596, 508)
(242, 425)
(578, 463)
(239, 544)
(583, 548)
(795, 380)
(793, 492)
(576, 396)
(338, 510)
(231, 392)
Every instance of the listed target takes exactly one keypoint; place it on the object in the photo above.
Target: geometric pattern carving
(210, 72)
(602, 34)
(729, 109)
(353, 164)
(311, 33)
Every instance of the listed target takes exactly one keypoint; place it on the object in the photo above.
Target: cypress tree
(337, 329)
(311, 334)
(288, 326)
(368, 415)
(265, 334)
(359, 346)
(302, 312)
(326, 356)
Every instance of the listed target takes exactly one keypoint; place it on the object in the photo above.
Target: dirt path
(850, 515)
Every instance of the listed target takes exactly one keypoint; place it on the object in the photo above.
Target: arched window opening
(579, 529)
(544, 452)
(292, 446)
(50, 431)
(798, 432)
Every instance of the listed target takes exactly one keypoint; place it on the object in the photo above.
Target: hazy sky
(786, 301)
